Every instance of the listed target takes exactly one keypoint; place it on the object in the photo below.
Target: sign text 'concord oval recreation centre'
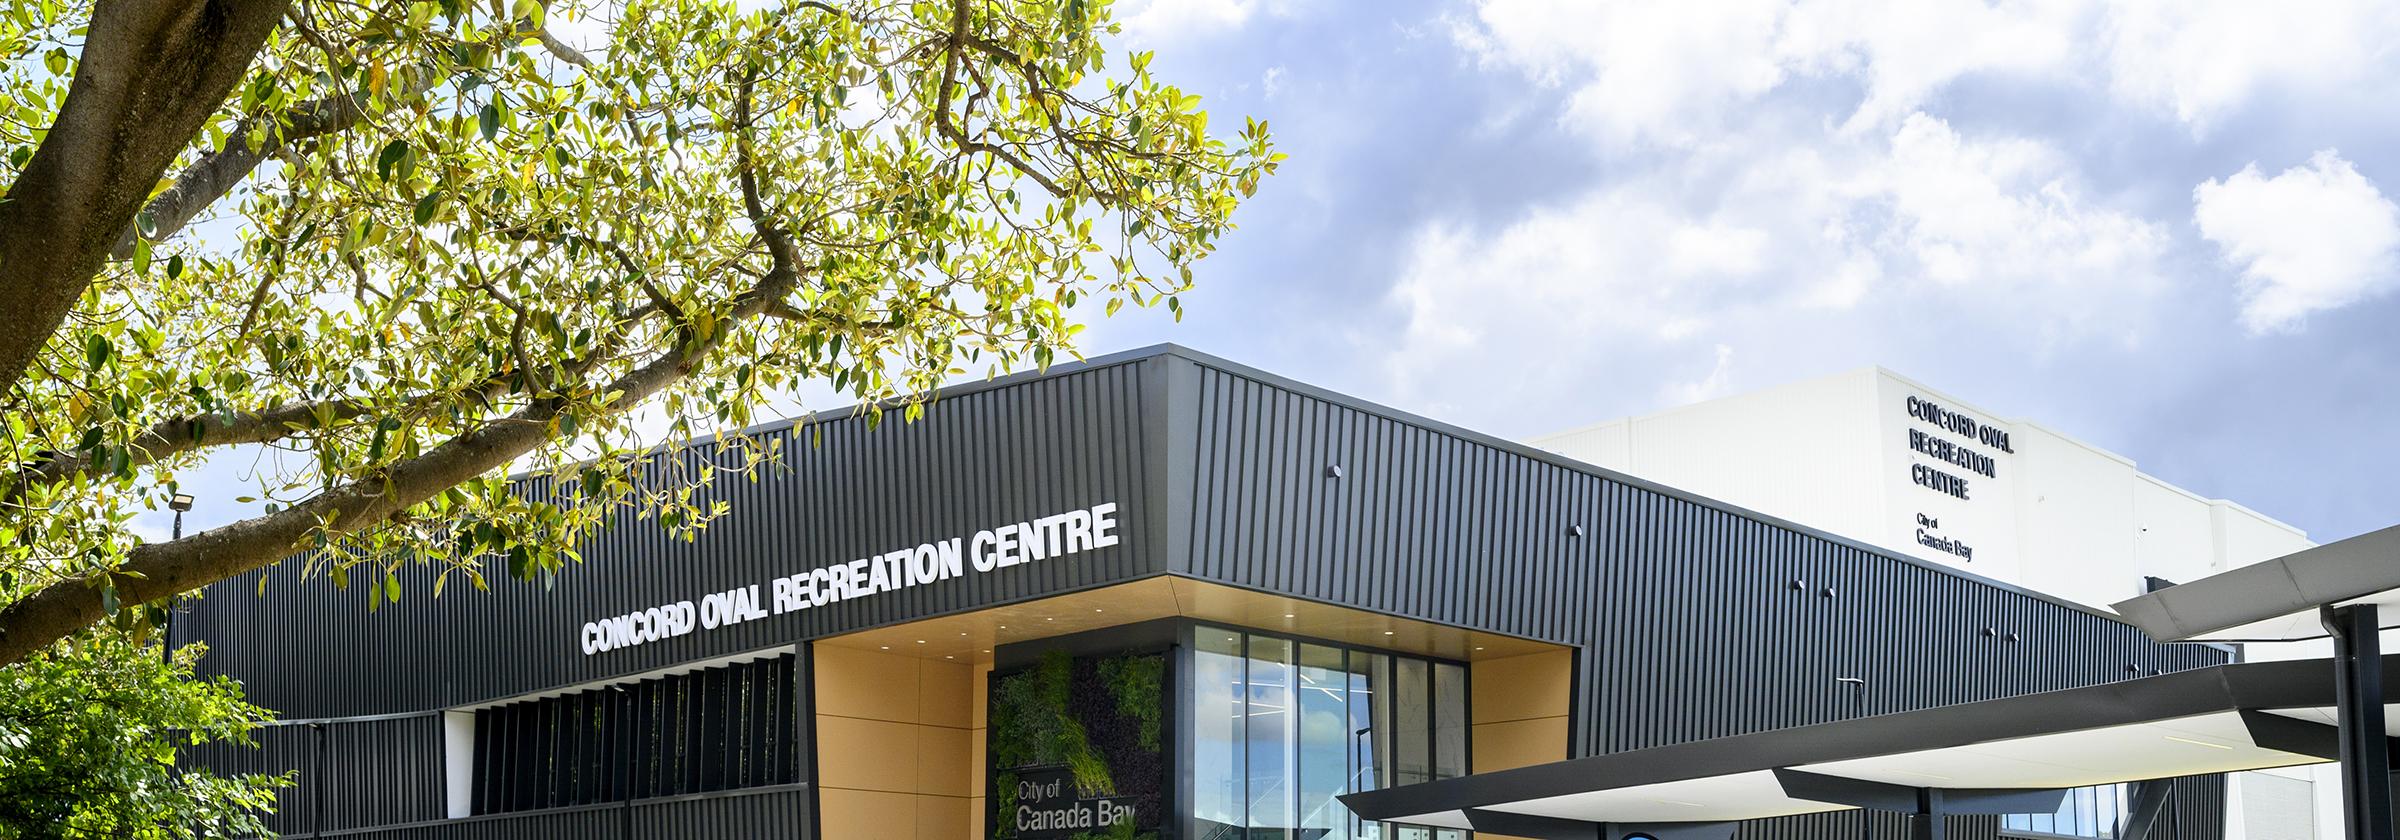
(1056, 535)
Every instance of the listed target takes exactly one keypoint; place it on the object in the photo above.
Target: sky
(2167, 229)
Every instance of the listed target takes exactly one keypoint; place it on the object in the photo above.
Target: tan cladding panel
(1520, 710)
(1519, 743)
(875, 815)
(866, 684)
(1535, 685)
(896, 753)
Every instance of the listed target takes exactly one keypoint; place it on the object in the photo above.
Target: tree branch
(159, 570)
(150, 74)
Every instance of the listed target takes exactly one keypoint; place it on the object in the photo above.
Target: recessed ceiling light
(962, 634)
(1096, 609)
(1287, 615)
(1387, 632)
(920, 641)
(1478, 647)
(1047, 618)
(887, 647)
(948, 656)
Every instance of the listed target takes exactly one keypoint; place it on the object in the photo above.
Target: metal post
(2358, 695)
(1931, 821)
(2149, 801)
(166, 627)
(317, 768)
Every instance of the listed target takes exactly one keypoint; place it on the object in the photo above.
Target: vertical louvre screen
(722, 728)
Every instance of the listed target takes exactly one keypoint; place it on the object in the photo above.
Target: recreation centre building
(1156, 594)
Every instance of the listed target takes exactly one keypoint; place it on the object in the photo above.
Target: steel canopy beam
(1906, 799)
(2288, 587)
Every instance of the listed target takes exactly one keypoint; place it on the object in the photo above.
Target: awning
(2276, 600)
(2218, 719)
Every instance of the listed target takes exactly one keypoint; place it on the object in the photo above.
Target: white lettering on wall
(999, 547)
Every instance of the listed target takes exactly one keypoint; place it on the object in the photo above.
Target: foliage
(88, 739)
(461, 246)
(1139, 685)
(1033, 724)
(1037, 719)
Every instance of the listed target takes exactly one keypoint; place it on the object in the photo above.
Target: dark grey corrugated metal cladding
(1690, 619)
(730, 815)
(345, 773)
(1694, 620)
(837, 491)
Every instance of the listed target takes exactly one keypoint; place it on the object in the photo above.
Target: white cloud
(1148, 23)
(1653, 71)
(1673, 73)
(1717, 383)
(2313, 238)
(2202, 58)
(1920, 218)
(1669, 72)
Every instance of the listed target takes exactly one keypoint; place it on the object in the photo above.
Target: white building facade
(1886, 460)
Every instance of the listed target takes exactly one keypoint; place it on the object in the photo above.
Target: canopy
(2276, 600)
(2218, 719)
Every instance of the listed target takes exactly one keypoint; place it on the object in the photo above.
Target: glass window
(1272, 763)
(1217, 733)
(1449, 721)
(1324, 742)
(1412, 719)
(1370, 676)
(1282, 729)
(2093, 812)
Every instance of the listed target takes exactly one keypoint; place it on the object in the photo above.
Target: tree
(88, 741)
(466, 247)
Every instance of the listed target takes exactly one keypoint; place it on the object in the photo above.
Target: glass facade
(2087, 812)
(1281, 728)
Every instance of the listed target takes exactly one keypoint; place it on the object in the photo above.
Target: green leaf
(392, 154)
(489, 120)
(96, 351)
(427, 206)
(56, 61)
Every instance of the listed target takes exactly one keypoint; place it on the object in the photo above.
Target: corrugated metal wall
(731, 815)
(2196, 812)
(1691, 620)
(981, 458)
(346, 774)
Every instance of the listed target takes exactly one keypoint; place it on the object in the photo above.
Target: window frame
(1187, 747)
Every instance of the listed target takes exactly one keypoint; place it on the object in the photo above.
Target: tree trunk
(152, 73)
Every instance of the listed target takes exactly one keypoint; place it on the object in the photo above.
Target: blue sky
(2164, 228)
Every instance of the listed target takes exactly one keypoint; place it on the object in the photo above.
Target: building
(1882, 458)
(1155, 594)
(1876, 456)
